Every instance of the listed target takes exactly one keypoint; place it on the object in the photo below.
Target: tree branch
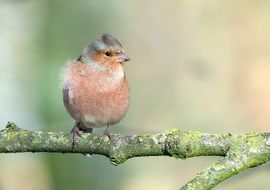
(239, 151)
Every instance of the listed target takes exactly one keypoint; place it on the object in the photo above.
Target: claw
(76, 132)
(106, 132)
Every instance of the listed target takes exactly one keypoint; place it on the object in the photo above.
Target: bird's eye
(107, 53)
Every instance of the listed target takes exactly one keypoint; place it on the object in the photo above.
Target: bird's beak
(122, 58)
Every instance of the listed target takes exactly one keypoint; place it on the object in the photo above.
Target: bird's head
(106, 51)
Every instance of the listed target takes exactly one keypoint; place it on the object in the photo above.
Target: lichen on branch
(238, 152)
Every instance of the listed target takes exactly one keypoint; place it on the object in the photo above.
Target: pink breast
(96, 99)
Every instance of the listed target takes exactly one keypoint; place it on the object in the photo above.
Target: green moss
(140, 138)
(117, 157)
(242, 151)
(173, 144)
(173, 131)
(106, 139)
(63, 140)
(11, 125)
(218, 166)
(256, 143)
(251, 134)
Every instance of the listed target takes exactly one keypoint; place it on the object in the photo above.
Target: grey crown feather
(104, 41)
(110, 41)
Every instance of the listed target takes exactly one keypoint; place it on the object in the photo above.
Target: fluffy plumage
(95, 89)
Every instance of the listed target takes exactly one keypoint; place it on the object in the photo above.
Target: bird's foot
(106, 132)
(76, 131)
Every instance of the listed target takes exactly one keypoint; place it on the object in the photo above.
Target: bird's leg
(106, 131)
(75, 131)
(78, 126)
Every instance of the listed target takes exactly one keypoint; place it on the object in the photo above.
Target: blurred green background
(195, 65)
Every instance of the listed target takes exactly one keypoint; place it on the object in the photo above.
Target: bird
(95, 88)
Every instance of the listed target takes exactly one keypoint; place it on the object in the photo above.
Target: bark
(238, 151)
